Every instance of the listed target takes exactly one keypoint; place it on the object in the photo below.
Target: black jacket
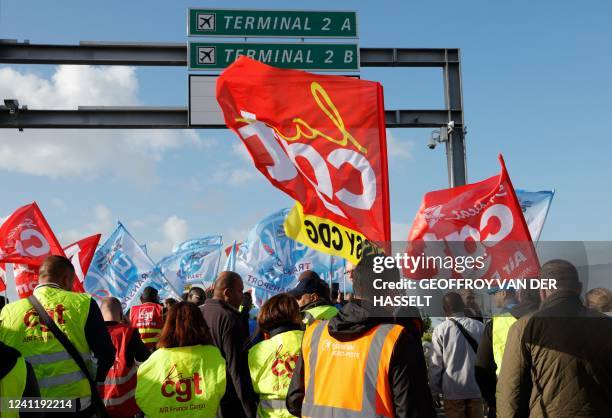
(407, 370)
(9, 357)
(231, 338)
(559, 364)
(99, 341)
(485, 367)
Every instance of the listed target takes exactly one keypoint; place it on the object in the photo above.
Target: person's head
(184, 327)
(247, 301)
(599, 299)
(452, 303)
(502, 297)
(184, 296)
(169, 302)
(229, 288)
(563, 273)
(196, 296)
(529, 297)
(279, 310)
(111, 309)
(469, 298)
(57, 270)
(310, 289)
(149, 295)
(363, 277)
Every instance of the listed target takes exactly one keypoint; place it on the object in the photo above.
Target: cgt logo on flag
(320, 139)
(483, 219)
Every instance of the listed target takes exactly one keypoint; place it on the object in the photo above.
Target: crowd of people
(308, 353)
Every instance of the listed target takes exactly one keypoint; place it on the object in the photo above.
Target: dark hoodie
(407, 369)
(485, 368)
(9, 358)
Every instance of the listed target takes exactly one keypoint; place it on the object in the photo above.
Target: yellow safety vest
(501, 327)
(57, 373)
(181, 381)
(323, 312)
(12, 387)
(271, 363)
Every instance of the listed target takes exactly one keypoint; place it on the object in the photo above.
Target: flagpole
(545, 216)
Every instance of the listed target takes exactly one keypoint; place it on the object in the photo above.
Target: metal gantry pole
(455, 145)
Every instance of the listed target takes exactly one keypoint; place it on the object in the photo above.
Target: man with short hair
(230, 336)
(557, 360)
(148, 317)
(78, 317)
(120, 384)
(360, 362)
(312, 295)
(455, 343)
(472, 309)
(504, 299)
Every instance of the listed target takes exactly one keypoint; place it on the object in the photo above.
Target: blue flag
(193, 262)
(196, 243)
(270, 262)
(230, 263)
(535, 206)
(121, 268)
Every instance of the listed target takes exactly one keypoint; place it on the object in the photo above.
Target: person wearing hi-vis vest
(120, 385)
(148, 317)
(313, 297)
(271, 361)
(78, 317)
(17, 381)
(185, 376)
(360, 363)
(493, 342)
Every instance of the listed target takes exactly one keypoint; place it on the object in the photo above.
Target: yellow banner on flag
(324, 235)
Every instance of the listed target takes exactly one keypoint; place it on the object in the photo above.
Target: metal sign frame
(164, 54)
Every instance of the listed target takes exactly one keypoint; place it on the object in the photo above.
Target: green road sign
(272, 23)
(327, 57)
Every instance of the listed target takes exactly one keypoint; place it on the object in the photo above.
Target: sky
(537, 86)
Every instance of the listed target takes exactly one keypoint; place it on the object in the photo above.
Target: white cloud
(399, 148)
(72, 86)
(175, 230)
(240, 149)
(103, 223)
(84, 153)
(240, 176)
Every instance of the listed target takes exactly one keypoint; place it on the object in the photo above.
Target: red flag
(26, 238)
(320, 139)
(228, 250)
(481, 219)
(80, 254)
(26, 279)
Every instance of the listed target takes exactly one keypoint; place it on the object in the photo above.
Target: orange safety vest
(120, 385)
(149, 321)
(348, 379)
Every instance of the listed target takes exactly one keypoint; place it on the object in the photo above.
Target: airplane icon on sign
(206, 55)
(206, 21)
